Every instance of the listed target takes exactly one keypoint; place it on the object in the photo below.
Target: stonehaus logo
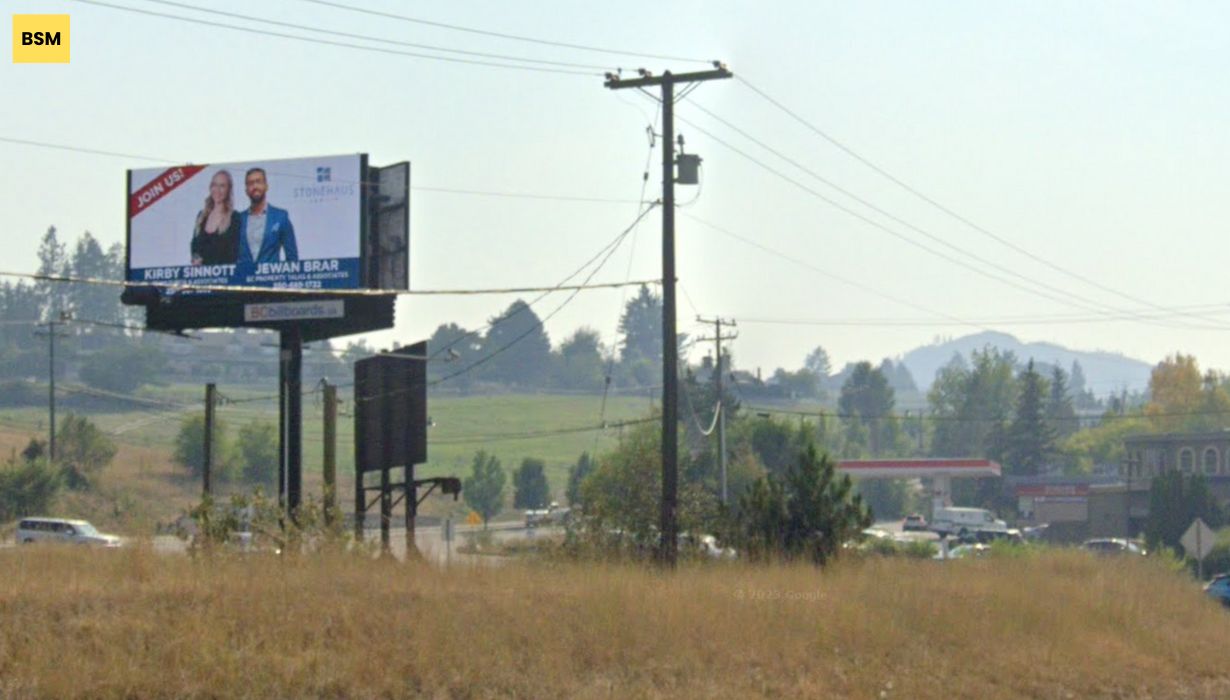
(40, 38)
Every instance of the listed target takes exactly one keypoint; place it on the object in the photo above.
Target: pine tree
(518, 346)
(806, 514)
(641, 328)
(51, 261)
(1031, 439)
(1059, 410)
(530, 489)
(576, 476)
(91, 301)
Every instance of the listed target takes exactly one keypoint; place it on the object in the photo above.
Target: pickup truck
(551, 515)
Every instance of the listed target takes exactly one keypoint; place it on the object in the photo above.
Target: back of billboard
(292, 223)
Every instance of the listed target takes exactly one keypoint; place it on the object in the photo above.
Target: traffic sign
(1198, 540)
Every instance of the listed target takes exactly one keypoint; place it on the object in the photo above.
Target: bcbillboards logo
(40, 39)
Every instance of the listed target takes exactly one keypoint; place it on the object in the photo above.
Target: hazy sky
(1090, 134)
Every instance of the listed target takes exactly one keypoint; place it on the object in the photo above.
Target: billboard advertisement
(294, 223)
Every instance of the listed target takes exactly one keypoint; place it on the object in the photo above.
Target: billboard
(292, 223)
(390, 399)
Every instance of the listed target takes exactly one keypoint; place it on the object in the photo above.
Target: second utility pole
(668, 545)
(721, 394)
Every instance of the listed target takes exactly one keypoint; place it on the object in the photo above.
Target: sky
(1081, 147)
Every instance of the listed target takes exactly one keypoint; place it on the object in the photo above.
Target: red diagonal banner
(160, 187)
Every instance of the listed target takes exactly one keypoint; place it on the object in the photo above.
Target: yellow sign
(40, 38)
(474, 519)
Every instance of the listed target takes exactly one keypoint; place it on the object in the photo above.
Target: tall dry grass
(134, 624)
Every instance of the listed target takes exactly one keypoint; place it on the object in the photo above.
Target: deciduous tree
(484, 487)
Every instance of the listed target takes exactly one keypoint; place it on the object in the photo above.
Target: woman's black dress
(221, 248)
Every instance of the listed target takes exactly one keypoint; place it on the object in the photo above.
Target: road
(429, 540)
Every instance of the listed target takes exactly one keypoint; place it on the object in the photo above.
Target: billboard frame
(360, 313)
(366, 187)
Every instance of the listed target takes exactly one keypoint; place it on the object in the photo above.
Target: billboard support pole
(412, 511)
(329, 458)
(386, 460)
(282, 422)
(292, 404)
(211, 393)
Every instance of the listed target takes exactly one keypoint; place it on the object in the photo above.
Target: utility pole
(211, 393)
(721, 394)
(669, 544)
(62, 318)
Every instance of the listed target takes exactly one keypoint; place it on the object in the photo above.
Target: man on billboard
(266, 234)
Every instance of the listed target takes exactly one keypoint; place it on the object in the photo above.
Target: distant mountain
(1105, 372)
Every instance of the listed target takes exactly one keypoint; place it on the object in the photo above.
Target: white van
(59, 530)
(955, 521)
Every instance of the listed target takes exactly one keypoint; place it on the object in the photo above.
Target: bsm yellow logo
(40, 38)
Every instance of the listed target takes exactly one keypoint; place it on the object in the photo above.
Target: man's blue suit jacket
(279, 233)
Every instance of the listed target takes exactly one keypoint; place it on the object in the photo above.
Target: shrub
(27, 487)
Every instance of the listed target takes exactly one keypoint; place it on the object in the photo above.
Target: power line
(941, 207)
(831, 275)
(413, 188)
(90, 391)
(977, 419)
(502, 35)
(1059, 295)
(368, 37)
(294, 291)
(651, 129)
(343, 44)
(541, 433)
(487, 358)
(529, 195)
(892, 217)
(1000, 321)
(561, 286)
(717, 410)
(127, 327)
(943, 317)
(609, 250)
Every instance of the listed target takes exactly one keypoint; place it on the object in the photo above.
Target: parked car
(60, 530)
(1011, 535)
(964, 551)
(1036, 533)
(705, 545)
(914, 523)
(1109, 546)
(1219, 589)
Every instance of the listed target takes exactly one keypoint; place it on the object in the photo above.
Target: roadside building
(1074, 508)
(1150, 456)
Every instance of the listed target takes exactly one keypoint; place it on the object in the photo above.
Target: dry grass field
(1062, 625)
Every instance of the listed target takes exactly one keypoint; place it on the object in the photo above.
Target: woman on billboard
(215, 238)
